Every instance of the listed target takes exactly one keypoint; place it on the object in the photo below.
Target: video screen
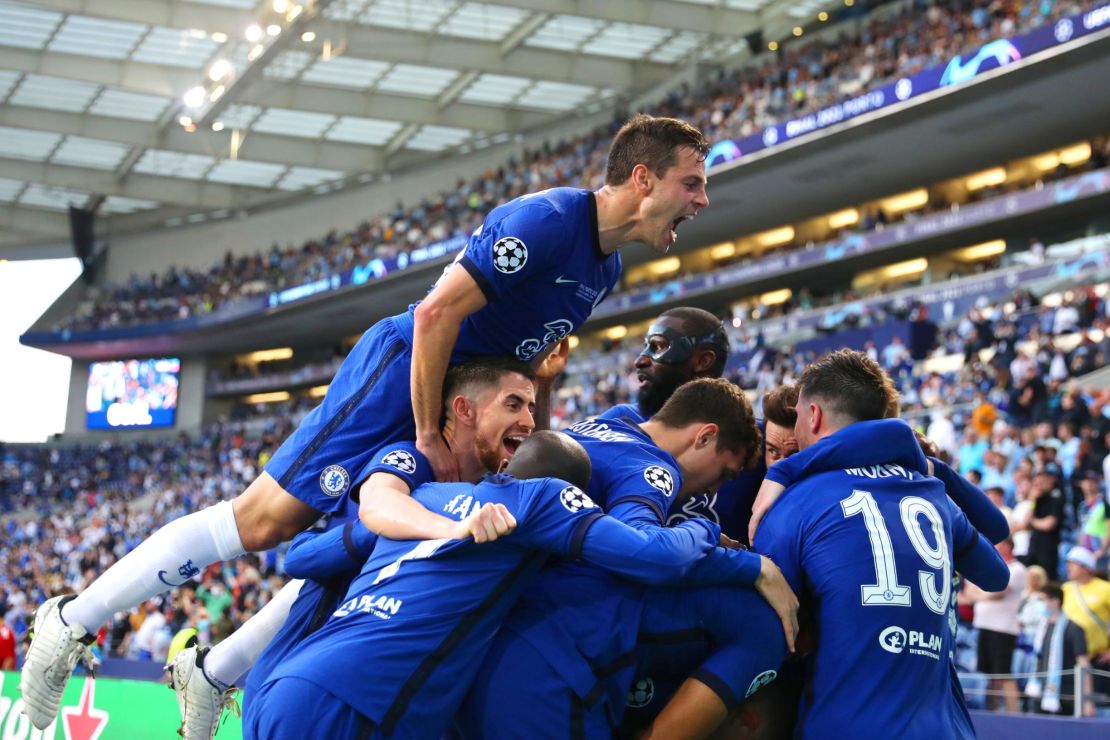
(126, 394)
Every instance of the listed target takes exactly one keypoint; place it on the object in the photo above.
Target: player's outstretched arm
(875, 442)
(693, 713)
(980, 510)
(659, 557)
(387, 508)
(436, 324)
(322, 555)
(975, 557)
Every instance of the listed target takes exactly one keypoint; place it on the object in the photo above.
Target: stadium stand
(996, 357)
(737, 103)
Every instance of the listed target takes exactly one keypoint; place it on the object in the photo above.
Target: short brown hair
(715, 401)
(480, 373)
(780, 406)
(850, 384)
(653, 142)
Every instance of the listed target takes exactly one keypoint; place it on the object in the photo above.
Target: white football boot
(55, 649)
(201, 703)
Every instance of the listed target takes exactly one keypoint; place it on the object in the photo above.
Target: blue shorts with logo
(367, 405)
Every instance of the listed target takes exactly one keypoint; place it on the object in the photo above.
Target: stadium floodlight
(1074, 155)
(280, 6)
(841, 219)
(308, 36)
(665, 266)
(775, 237)
(253, 33)
(986, 179)
(722, 251)
(775, 297)
(273, 29)
(983, 251)
(616, 333)
(195, 97)
(274, 397)
(905, 201)
(220, 69)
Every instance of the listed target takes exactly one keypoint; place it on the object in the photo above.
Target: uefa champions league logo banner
(961, 68)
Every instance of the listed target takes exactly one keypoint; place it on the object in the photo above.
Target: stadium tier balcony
(934, 121)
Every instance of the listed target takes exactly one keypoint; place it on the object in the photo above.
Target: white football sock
(233, 657)
(171, 556)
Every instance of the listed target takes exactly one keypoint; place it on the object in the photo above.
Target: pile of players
(460, 572)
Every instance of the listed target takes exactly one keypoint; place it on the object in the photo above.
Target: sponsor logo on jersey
(379, 605)
(556, 331)
(574, 499)
(698, 507)
(509, 255)
(659, 479)
(334, 480)
(760, 681)
(401, 460)
(896, 640)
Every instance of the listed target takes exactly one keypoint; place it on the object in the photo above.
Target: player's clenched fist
(487, 524)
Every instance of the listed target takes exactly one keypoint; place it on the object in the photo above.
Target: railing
(1080, 696)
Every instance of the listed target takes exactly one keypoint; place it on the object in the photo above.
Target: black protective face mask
(680, 347)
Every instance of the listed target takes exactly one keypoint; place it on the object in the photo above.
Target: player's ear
(643, 179)
(703, 360)
(463, 410)
(706, 436)
(816, 418)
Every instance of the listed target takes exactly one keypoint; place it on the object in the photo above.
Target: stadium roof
(156, 111)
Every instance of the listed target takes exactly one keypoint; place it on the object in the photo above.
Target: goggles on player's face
(671, 347)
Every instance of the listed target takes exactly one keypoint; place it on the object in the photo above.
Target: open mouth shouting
(673, 236)
(510, 443)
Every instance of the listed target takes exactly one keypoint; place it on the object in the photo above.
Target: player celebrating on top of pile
(529, 276)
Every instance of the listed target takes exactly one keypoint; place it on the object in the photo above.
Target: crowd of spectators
(804, 76)
(74, 510)
(1011, 418)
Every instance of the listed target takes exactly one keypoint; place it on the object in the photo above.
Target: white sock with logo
(233, 657)
(168, 558)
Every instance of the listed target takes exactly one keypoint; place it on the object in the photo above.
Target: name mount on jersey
(879, 471)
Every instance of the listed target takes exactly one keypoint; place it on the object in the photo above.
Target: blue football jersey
(577, 616)
(348, 544)
(628, 411)
(730, 506)
(538, 261)
(628, 466)
(874, 547)
(409, 634)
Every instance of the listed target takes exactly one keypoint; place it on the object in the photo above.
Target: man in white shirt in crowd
(996, 618)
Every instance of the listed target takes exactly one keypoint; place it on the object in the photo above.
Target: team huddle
(463, 572)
